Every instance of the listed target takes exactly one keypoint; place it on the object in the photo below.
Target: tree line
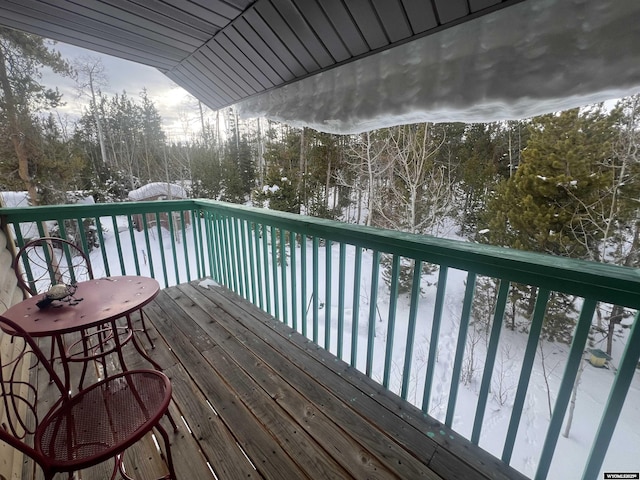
(564, 184)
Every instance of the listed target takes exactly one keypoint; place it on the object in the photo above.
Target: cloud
(178, 109)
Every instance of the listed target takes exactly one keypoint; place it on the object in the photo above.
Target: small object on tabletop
(59, 292)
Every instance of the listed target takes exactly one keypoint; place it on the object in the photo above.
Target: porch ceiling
(277, 57)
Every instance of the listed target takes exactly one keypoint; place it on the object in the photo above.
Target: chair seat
(104, 419)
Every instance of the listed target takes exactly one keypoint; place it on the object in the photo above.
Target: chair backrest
(46, 261)
(23, 367)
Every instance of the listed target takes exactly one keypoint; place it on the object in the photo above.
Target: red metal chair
(82, 430)
(47, 261)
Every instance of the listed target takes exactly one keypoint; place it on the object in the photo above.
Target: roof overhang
(352, 65)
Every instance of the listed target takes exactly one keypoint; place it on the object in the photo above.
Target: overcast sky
(178, 109)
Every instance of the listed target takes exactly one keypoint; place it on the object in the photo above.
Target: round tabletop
(103, 299)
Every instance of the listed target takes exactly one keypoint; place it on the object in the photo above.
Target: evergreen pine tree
(544, 206)
(21, 94)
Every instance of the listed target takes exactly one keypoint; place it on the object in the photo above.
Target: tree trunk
(202, 126)
(17, 136)
(96, 117)
(327, 186)
(511, 167)
(359, 206)
(261, 168)
(572, 405)
(533, 297)
(302, 166)
(371, 180)
(617, 314)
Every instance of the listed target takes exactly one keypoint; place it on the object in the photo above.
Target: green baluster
(492, 350)
(373, 306)
(391, 320)
(435, 333)
(411, 328)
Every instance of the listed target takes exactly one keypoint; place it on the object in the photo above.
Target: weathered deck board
(363, 454)
(262, 401)
(397, 418)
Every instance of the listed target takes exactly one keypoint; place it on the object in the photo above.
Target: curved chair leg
(167, 448)
(139, 348)
(119, 467)
(144, 329)
(119, 464)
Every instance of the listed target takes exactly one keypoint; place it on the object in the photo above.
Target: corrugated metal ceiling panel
(420, 18)
(325, 31)
(273, 44)
(345, 25)
(394, 19)
(262, 50)
(450, 10)
(368, 22)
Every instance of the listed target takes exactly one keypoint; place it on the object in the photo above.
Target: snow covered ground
(571, 453)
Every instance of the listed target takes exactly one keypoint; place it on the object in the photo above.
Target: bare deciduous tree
(418, 191)
(90, 78)
(366, 164)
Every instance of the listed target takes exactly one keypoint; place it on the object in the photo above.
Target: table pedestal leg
(64, 361)
(139, 348)
(118, 348)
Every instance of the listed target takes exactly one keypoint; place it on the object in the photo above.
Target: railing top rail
(52, 212)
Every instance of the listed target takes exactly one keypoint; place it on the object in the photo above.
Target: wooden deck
(259, 400)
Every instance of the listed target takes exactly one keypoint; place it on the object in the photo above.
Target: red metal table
(104, 300)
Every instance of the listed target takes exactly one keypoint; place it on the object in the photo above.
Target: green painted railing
(328, 280)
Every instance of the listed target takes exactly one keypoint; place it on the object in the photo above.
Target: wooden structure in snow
(159, 191)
